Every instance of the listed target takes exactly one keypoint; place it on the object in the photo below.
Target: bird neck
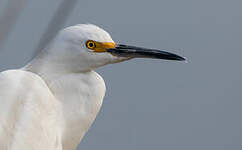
(80, 94)
(50, 67)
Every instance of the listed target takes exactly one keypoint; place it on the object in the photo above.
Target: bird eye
(90, 44)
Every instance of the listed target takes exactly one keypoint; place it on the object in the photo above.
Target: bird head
(86, 46)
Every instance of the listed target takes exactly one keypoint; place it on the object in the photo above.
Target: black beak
(139, 52)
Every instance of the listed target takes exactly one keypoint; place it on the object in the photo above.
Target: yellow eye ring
(90, 44)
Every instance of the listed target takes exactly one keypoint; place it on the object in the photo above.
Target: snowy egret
(51, 102)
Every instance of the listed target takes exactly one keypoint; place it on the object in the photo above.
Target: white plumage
(51, 102)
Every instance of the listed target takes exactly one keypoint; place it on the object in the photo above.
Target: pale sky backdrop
(155, 104)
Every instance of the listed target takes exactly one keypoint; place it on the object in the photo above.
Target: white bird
(51, 102)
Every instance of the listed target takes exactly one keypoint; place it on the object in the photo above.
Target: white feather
(51, 102)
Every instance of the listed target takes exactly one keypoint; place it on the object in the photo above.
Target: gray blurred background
(153, 104)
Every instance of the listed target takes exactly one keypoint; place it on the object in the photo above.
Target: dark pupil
(91, 44)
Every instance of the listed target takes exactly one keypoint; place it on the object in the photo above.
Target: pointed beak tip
(185, 60)
(182, 59)
(175, 57)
